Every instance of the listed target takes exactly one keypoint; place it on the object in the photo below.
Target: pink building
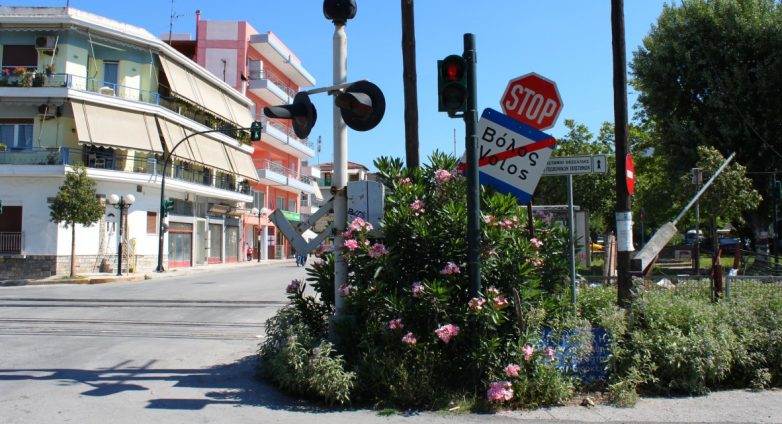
(261, 67)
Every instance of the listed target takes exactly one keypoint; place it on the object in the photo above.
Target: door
(180, 245)
(215, 254)
(232, 244)
(110, 76)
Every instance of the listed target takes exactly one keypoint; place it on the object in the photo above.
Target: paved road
(181, 350)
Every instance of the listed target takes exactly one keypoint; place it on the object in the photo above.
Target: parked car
(729, 244)
(689, 237)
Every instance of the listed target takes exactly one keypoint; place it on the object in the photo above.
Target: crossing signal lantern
(255, 131)
(362, 105)
(452, 84)
(302, 112)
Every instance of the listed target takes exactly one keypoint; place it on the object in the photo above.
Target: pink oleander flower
(450, 269)
(489, 219)
(499, 391)
(405, 181)
(536, 243)
(293, 286)
(377, 250)
(418, 207)
(476, 303)
(527, 350)
(549, 353)
(491, 291)
(418, 289)
(446, 332)
(512, 370)
(395, 324)
(442, 176)
(536, 262)
(347, 234)
(346, 290)
(359, 224)
(500, 302)
(351, 244)
(409, 338)
(506, 223)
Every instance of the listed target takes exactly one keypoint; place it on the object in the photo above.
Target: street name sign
(511, 154)
(576, 165)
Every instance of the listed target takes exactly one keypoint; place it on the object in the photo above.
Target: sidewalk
(110, 277)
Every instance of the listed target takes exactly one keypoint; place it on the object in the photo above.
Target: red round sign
(630, 174)
(532, 99)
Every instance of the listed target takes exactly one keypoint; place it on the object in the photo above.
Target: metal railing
(285, 129)
(274, 78)
(123, 163)
(40, 78)
(11, 242)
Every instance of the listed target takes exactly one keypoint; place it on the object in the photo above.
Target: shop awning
(243, 163)
(115, 128)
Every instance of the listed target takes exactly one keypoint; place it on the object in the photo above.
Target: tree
(410, 79)
(76, 203)
(728, 197)
(706, 75)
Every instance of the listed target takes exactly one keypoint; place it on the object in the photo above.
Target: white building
(77, 88)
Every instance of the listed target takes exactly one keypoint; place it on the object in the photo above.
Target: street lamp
(121, 203)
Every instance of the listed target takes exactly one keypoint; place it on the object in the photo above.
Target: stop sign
(532, 99)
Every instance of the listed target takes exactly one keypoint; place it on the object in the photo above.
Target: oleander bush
(411, 334)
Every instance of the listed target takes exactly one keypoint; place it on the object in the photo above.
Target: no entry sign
(630, 174)
(532, 99)
(511, 154)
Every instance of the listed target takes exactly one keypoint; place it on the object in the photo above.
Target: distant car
(729, 244)
(689, 237)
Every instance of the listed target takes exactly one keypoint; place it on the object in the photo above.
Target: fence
(11, 242)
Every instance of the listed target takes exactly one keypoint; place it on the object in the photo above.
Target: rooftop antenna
(171, 21)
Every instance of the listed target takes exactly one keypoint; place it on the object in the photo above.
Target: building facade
(260, 66)
(77, 88)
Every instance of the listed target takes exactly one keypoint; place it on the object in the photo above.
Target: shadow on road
(232, 384)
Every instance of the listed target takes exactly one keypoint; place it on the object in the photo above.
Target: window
(151, 222)
(280, 202)
(110, 74)
(17, 136)
(327, 179)
(292, 205)
(20, 56)
(353, 177)
(305, 199)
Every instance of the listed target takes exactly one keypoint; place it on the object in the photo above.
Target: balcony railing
(271, 76)
(266, 122)
(282, 170)
(38, 78)
(124, 163)
(11, 243)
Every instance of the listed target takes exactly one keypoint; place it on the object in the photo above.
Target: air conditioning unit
(45, 42)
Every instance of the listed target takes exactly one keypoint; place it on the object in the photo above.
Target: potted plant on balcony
(49, 69)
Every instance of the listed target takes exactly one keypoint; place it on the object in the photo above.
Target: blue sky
(567, 41)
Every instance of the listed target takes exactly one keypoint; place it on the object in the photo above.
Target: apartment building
(77, 88)
(260, 66)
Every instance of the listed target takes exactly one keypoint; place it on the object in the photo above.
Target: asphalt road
(182, 350)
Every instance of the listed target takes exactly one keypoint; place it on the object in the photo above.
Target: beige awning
(243, 163)
(212, 152)
(199, 91)
(314, 184)
(116, 128)
(172, 134)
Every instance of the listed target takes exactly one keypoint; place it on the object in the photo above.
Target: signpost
(576, 165)
(532, 99)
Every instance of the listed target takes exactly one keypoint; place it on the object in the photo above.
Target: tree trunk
(73, 249)
(410, 80)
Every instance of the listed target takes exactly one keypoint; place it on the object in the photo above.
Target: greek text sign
(575, 165)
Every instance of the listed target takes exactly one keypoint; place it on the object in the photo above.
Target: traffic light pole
(339, 189)
(473, 187)
(166, 160)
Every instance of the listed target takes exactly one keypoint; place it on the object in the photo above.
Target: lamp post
(121, 203)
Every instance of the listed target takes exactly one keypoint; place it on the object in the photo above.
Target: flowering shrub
(413, 332)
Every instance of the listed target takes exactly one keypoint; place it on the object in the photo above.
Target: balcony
(274, 51)
(274, 174)
(115, 162)
(11, 243)
(270, 87)
(282, 137)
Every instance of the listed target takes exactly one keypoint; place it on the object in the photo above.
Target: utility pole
(623, 215)
(473, 185)
(410, 79)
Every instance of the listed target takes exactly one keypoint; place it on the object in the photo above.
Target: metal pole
(339, 189)
(697, 235)
(623, 215)
(473, 186)
(162, 211)
(572, 239)
(259, 234)
(121, 206)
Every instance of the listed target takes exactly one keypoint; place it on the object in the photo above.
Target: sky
(567, 41)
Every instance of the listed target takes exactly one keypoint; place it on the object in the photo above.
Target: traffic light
(255, 131)
(301, 111)
(452, 84)
(168, 206)
(362, 105)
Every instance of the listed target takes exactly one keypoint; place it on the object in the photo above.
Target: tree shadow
(232, 384)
